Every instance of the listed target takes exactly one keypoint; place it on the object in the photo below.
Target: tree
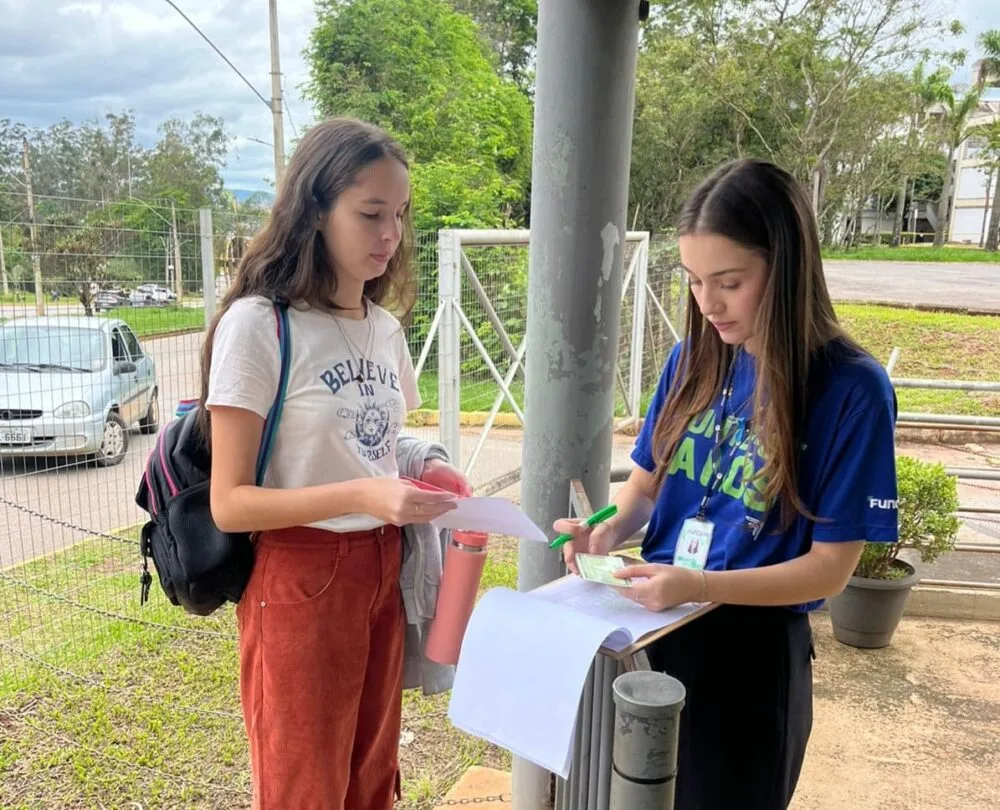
(417, 69)
(84, 254)
(926, 91)
(680, 132)
(103, 162)
(815, 87)
(988, 72)
(186, 163)
(988, 75)
(990, 153)
(510, 28)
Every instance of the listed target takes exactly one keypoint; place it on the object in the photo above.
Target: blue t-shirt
(846, 472)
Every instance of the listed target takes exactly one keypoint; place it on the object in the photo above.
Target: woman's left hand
(440, 474)
(657, 587)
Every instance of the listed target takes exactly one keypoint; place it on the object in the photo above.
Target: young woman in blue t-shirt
(766, 461)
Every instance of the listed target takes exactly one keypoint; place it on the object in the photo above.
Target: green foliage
(186, 163)
(509, 29)
(928, 499)
(102, 160)
(462, 195)
(417, 68)
(822, 88)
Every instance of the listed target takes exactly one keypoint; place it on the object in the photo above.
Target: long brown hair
(288, 257)
(763, 208)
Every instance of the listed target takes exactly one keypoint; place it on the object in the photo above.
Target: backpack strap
(274, 415)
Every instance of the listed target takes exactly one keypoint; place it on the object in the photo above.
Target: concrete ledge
(966, 604)
(921, 307)
(954, 603)
(432, 418)
(479, 784)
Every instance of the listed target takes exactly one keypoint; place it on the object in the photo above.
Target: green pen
(598, 516)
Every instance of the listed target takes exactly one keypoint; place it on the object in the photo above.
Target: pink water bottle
(463, 566)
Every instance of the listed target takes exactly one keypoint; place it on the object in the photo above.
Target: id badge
(693, 543)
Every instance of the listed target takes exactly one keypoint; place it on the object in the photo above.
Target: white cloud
(81, 59)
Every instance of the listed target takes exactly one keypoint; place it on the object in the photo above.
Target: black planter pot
(868, 611)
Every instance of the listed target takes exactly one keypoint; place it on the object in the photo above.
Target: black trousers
(747, 716)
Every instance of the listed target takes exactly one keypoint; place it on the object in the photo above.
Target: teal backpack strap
(274, 415)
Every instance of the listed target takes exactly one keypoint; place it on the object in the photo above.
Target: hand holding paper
(491, 515)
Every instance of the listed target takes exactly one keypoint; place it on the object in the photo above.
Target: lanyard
(717, 439)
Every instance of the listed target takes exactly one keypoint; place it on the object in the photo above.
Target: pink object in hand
(463, 566)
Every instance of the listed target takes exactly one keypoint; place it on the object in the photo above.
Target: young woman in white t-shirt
(321, 623)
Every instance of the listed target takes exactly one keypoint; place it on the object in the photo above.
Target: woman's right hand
(599, 539)
(400, 503)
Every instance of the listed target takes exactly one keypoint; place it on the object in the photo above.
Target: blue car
(74, 386)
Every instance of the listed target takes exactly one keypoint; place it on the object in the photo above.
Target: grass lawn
(914, 253)
(152, 321)
(146, 322)
(933, 345)
(99, 711)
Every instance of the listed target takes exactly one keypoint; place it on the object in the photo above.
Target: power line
(258, 140)
(284, 100)
(224, 57)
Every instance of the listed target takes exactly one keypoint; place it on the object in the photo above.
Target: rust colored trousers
(321, 628)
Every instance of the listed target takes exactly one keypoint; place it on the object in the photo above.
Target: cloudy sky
(79, 59)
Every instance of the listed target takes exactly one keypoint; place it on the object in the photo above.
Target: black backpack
(199, 566)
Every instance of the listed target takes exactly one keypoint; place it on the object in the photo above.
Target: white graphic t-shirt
(346, 399)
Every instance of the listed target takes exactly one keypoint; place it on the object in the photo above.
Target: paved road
(972, 286)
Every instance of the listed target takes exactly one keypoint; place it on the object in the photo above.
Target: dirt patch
(915, 725)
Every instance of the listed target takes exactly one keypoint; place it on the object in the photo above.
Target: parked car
(137, 298)
(110, 299)
(74, 386)
(157, 294)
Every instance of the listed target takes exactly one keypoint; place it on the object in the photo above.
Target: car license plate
(15, 436)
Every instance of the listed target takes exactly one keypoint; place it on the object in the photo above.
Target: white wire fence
(102, 312)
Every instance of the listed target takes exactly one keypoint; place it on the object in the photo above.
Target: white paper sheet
(632, 621)
(493, 515)
(518, 683)
(525, 659)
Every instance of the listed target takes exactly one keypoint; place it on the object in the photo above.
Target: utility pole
(36, 262)
(276, 100)
(178, 286)
(3, 267)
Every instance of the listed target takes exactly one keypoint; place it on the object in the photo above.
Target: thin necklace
(359, 377)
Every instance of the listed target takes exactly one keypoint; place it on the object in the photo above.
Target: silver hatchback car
(74, 386)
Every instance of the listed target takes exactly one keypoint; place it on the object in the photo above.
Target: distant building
(974, 185)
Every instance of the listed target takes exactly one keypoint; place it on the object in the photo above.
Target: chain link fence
(104, 703)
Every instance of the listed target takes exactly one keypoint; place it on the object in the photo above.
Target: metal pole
(207, 263)
(178, 275)
(948, 419)
(945, 385)
(276, 96)
(585, 91)
(893, 359)
(449, 342)
(638, 331)
(36, 261)
(647, 729)
(3, 267)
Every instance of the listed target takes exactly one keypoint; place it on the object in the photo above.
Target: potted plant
(868, 610)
